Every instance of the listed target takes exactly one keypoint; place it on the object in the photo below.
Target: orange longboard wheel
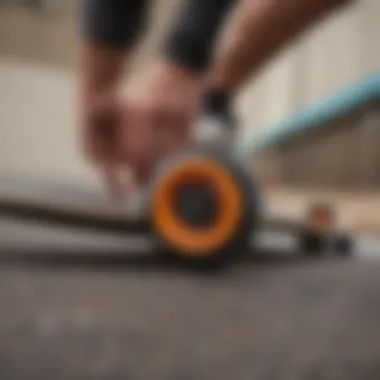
(197, 208)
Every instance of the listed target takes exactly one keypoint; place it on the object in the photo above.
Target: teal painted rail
(351, 98)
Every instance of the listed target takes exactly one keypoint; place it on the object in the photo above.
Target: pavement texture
(86, 306)
(86, 313)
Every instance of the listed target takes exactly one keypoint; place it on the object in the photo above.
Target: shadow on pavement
(114, 260)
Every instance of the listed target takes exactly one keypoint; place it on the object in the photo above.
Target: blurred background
(37, 51)
(328, 79)
(310, 125)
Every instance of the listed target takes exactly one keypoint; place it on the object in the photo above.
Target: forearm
(191, 39)
(109, 30)
(99, 71)
(258, 29)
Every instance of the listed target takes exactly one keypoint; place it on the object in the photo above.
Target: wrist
(169, 73)
(177, 70)
(100, 70)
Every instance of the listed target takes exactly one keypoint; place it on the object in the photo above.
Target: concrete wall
(37, 88)
(338, 51)
(50, 36)
(38, 121)
(36, 77)
(343, 155)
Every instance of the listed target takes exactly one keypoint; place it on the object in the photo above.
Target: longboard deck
(81, 205)
(68, 204)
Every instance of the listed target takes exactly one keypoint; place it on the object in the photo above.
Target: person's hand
(125, 136)
(101, 136)
(159, 109)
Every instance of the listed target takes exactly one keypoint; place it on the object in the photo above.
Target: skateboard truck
(203, 204)
(320, 235)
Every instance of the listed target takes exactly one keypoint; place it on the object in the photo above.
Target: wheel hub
(197, 205)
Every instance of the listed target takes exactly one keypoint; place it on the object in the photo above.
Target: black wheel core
(196, 204)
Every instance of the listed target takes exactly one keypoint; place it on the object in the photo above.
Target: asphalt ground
(86, 306)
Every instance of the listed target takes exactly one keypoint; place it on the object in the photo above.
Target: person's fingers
(102, 143)
(100, 155)
(153, 125)
(110, 177)
(98, 130)
(143, 173)
(117, 178)
(152, 131)
(172, 128)
(137, 138)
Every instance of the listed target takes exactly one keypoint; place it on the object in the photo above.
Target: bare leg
(257, 30)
